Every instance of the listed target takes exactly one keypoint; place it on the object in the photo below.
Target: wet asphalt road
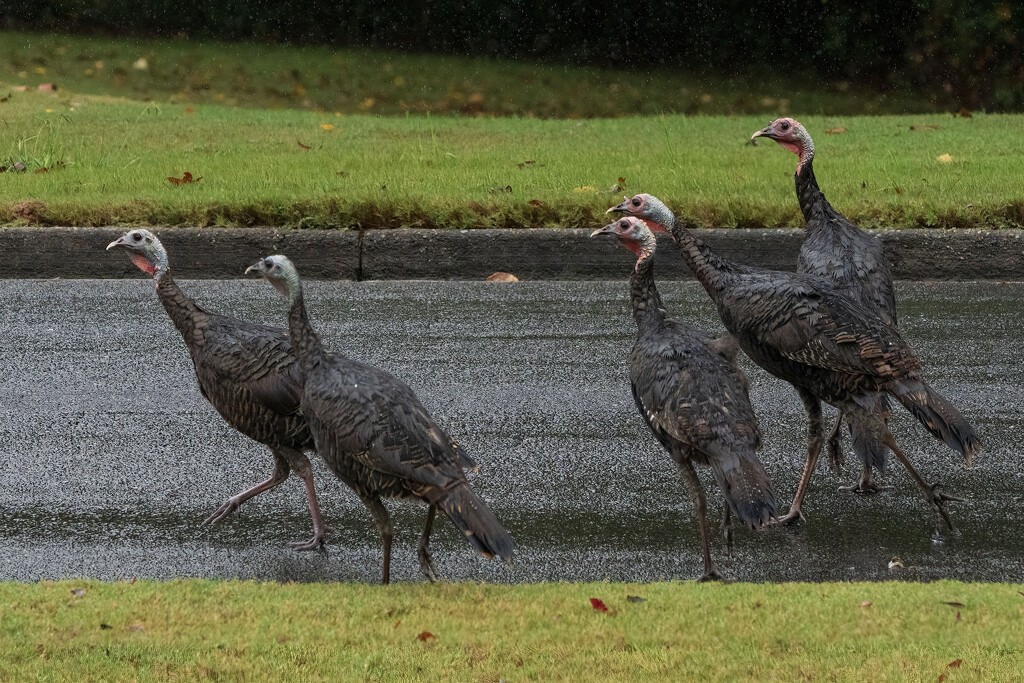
(112, 458)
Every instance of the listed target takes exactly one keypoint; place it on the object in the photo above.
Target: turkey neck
(813, 204)
(183, 311)
(647, 307)
(712, 271)
(305, 340)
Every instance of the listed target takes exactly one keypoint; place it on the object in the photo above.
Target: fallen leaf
(326, 126)
(942, 677)
(186, 178)
(944, 158)
(958, 615)
(425, 636)
(1021, 593)
(78, 592)
(965, 113)
(622, 181)
(955, 604)
(341, 174)
(537, 202)
(41, 170)
(501, 277)
(524, 164)
(924, 128)
(598, 605)
(19, 88)
(105, 627)
(303, 146)
(140, 64)
(835, 131)
(190, 110)
(283, 639)
(47, 87)
(501, 190)
(955, 664)
(137, 628)
(635, 598)
(898, 190)
(896, 562)
(397, 624)
(5, 98)
(865, 604)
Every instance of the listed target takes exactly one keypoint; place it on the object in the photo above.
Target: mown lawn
(380, 82)
(185, 630)
(108, 161)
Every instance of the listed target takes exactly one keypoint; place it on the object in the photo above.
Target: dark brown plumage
(837, 249)
(805, 330)
(379, 439)
(694, 398)
(246, 371)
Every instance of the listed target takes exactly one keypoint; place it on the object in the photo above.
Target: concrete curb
(534, 254)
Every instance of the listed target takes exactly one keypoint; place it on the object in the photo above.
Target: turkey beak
(119, 242)
(620, 208)
(606, 230)
(765, 132)
(254, 267)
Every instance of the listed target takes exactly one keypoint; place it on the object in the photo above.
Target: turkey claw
(315, 543)
(427, 564)
(791, 517)
(229, 506)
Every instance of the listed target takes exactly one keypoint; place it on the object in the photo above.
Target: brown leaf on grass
(47, 87)
(622, 181)
(965, 113)
(635, 598)
(955, 664)
(598, 605)
(1021, 593)
(898, 190)
(105, 627)
(942, 677)
(302, 145)
(19, 88)
(954, 604)
(958, 615)
(524, 164)
(5, 98)
(537, 202)
(865, 604)
(501, 276)
(835, 131)
(501, 190)
(924, 127)
(425, 636)
(41, 170)
(398, 623)
(30, 210)
(186, 178)
(341, 174)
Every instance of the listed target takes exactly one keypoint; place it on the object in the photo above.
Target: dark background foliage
(958, 53)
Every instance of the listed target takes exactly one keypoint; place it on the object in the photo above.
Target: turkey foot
(866, 485)
(315, 543)
(792, 517)
(229, 506)
(938, 502)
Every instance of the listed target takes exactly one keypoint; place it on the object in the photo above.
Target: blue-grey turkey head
(278, 271)
(648, 208)
(145, 250)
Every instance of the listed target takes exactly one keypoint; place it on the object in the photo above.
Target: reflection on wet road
(111, 457)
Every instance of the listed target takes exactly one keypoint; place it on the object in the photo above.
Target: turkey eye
(268, 263)
(136, 236)
(785, 125)
(636, 202)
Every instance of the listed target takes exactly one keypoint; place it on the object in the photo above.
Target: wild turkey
(804, 330)
(854, 260)
(246, 371)
(378, 438)
(694, 398)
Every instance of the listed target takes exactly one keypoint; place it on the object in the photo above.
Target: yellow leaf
(326, 126)
(41, 70)
(944, 158)
(367, 103)
(49, 111)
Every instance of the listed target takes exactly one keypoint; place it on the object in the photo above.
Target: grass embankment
(380, 82)
(229, 630)
(108, 161)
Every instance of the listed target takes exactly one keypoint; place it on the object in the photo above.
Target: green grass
(188, 630)
(378, 82)
(109, 160)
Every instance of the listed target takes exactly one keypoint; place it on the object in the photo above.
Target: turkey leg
(700, 505)
(383, 522)
(281, 470)
(815, 439)
(427, 562)
(935, 499)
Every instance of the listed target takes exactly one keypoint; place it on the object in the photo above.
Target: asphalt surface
(112, 458)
